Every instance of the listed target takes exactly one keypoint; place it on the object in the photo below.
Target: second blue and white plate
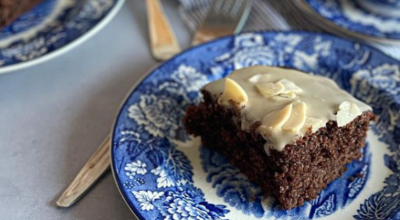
(52, 28)
(163, 173)
(353, 19)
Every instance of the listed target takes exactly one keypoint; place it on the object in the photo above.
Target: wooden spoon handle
(98, 163)
(162, 39)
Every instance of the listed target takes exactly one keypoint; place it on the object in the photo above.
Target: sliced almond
(355, 110)
(346, 105)
(277, 118)
(348, 111)
(284, 97)
(290, 87)
(260, 78)
(313, 123)
(234, 92)
(270, 89)
(297, 118)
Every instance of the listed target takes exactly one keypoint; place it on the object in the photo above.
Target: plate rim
(69, 46)
(122, 104)
(360, 36)
(150, 72)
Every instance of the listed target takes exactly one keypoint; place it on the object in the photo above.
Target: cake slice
(12, 9)
(289, 132)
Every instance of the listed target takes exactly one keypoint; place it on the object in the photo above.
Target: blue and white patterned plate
(52, 28)
(163, 173)
(355, 20)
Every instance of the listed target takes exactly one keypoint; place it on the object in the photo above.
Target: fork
(225, 17)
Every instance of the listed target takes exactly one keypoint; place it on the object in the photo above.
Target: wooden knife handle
(98, 163)
(162, 39)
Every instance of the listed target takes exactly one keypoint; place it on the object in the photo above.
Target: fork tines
(224, 17)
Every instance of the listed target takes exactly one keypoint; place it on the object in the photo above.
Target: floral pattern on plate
(165, 174)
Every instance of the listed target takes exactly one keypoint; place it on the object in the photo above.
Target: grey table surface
(54, 116)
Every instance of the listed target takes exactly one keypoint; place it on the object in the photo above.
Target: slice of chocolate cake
(290, 132)
(12, 9)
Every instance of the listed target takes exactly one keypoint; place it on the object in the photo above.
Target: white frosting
(317, 99)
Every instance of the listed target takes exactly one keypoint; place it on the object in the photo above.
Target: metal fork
(225, 17)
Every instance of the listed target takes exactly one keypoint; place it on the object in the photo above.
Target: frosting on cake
(287, 102)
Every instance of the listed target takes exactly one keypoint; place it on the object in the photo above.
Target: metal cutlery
(225, 17)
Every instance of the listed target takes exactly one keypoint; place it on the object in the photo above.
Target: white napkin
(279, 15)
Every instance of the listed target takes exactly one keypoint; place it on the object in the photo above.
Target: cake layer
(297, 173)
(289, 132)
